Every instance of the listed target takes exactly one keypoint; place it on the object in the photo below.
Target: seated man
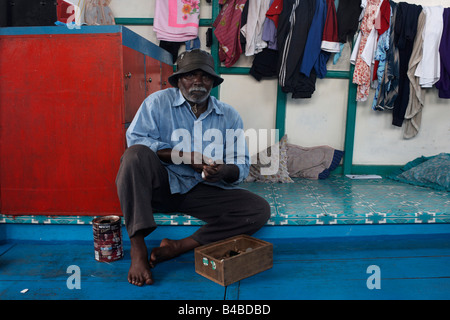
(198, 176)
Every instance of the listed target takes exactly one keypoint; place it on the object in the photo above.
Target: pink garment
(227, 30)
(176, 20)
(361, 76)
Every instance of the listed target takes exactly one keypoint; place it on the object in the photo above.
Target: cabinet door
(166, 71)
(60, 124)
(134, 81)
(152, 75)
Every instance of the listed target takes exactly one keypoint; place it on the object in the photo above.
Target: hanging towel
(413, 115)
(443, 85)
(227, 30)
(176, 20)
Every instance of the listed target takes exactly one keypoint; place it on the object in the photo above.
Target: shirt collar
(180, 100)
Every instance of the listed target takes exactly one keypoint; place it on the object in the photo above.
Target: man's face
(195, 86)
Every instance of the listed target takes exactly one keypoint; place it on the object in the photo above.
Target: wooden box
(233, 259)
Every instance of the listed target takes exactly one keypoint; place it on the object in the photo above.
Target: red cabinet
(66, 97)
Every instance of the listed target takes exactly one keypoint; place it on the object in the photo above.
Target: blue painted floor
(410, 267)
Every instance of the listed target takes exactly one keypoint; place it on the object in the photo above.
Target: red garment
(274, 11)
(381, 24)
(330, 38)
(227, 30)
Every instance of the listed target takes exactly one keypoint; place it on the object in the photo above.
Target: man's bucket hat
(192, 60)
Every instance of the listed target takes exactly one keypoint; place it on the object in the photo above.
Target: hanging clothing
(314, 39)
(227, 30)
(269, 34)
(174, 47)
(413, 114)
(176, 20)
(361, 76)
(253, 29)
(293, 26)
(443, 85)
(389, 83)
(263, 66)
(429, 68)
(382, 24)
(347, 16)
(330, 38)
(380, 57)
(274, 11)
(405, 31)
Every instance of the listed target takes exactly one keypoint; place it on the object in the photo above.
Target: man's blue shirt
(165, 121)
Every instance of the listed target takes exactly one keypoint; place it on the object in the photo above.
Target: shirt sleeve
(144, 128)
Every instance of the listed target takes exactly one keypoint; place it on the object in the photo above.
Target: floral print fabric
(361, 76)
(176, 20)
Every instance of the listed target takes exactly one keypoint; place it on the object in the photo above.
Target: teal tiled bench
(333, 201)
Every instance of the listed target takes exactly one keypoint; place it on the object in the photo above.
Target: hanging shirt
(227, 30)
(269, 34)
(253, 29)
(274, 11)
(176, 20)
(429, 68)
(330, 38)
(314, 40)
(361, 76)
(389, 83)
(347, 14)
(380, 57)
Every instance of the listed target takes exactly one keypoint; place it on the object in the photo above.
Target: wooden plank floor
(411, 267)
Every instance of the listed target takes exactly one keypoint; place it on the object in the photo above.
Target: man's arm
(212, 172)
(195, 159)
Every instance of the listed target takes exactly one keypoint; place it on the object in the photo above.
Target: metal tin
(107, 238)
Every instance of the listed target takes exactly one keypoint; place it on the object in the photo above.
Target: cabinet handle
(128, 75)
(164, 83)
(149, 80)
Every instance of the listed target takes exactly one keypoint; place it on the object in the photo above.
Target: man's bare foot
(139, 273)
(169, 249)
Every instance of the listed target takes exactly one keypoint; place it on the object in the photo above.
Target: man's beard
(196, 94)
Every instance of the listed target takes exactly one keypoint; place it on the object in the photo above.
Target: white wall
(321, 119)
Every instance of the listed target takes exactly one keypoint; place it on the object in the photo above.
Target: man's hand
(211, 171)
(215, 172)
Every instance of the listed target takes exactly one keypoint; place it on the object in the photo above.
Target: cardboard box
(233, 259)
